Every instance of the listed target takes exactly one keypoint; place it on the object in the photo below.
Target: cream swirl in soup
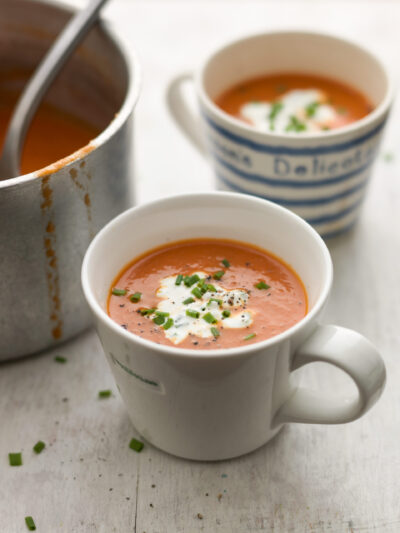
(196, 316)
(296, 111)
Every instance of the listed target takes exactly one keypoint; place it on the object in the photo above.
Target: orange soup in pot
(294, 103)
(207, 294)
(53, 133)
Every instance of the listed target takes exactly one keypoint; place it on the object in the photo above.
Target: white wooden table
(310, 478)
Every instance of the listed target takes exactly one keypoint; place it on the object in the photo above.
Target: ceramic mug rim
(134, 82)
(333, 135)
(179, 353)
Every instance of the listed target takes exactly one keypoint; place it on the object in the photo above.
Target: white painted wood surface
(310, 478)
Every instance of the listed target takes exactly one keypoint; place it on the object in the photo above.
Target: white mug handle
(186, 117)
(356, 356)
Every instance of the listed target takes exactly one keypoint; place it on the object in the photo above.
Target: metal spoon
(50, 66)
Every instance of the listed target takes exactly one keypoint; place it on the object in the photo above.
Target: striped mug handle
(183, 113)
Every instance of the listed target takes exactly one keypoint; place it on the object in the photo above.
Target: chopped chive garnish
(30, 524)
(188, 301)
(215, 332)
(193, 314)
(217, 300)
(136, 445)
(179, 279)
(250, 336)
(146, 312)
(118, 292)
(226, 313)
(276, 107)
(226, 263)
(202, 286)
(159, 320)
(208, 317)
(262, 285)
(135, 298)
(219, 274)
(211, 288)
(15, 459)
(161, 313)
(197, 292)
(191, 280)
(341, 110)
(104, 393)
(295, 124)
(60, 359)
(311, 109)
(39, 446)
(168, 324)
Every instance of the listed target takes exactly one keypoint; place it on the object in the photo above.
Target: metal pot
(48, 217)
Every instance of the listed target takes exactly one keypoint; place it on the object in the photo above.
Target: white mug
(218, 404)
(321, 176)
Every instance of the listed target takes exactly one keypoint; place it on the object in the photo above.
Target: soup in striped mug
(294, 103)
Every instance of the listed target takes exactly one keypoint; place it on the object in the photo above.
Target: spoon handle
(32, 95)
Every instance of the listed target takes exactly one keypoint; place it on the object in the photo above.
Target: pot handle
(183, 113)
(352, 353)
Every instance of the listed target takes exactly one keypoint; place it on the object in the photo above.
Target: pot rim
(134, 76)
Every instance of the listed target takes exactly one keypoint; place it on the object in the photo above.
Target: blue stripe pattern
(286, 150)
(339, 214)
(298, 203)
(279, 182)
(337, 232)
(315, 221)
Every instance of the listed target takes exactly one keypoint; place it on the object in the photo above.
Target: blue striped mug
(321, 176)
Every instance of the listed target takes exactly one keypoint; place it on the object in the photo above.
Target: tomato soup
(294, 103)
(207, 294)
(53, 134)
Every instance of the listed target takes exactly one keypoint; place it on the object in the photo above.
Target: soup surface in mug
(294, 103)
(53, 134)
(207, 294)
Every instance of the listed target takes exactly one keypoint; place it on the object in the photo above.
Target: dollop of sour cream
(297, 111)
(172, 298)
